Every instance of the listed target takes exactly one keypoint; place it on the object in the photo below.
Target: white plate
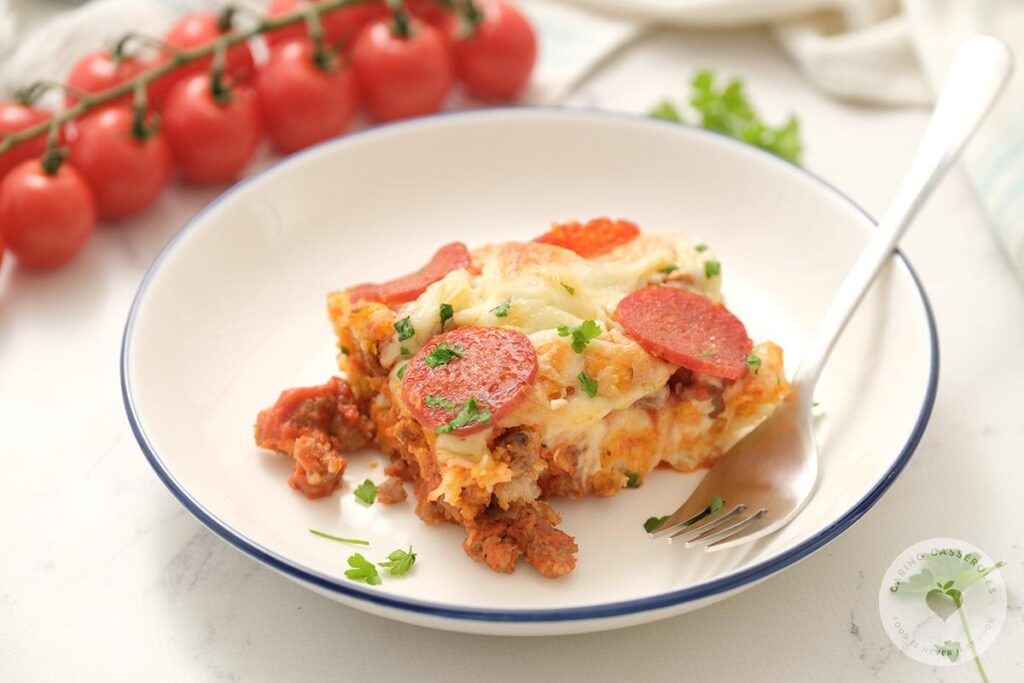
(233, 311)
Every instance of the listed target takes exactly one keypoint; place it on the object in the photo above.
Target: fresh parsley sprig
(442, 354)
(366, 492)
(582, 334)
(399, 562)
(471, 412)
(362, 570)
(728, 110)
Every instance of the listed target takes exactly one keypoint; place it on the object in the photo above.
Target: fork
(770, 475)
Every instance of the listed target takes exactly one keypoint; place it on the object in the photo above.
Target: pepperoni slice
(687, 329)
(495, 367)
(407, 288)
(598, 236)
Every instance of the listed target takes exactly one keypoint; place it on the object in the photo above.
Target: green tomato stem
(401, 26)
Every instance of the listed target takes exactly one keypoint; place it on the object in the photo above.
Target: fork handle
(977, 76)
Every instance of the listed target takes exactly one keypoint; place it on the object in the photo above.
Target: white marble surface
(106, 577)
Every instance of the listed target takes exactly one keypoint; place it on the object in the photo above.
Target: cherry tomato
(126, 174)
(99, 70)
(340, 26)
(197, 30)
(46, 218)
(301, 102)
(494, 59)
(212, 141)
(14, 117)
(401, 76)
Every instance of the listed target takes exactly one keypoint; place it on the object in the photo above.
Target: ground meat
(552, 552)
(528, 530)
(318, 467)
(391, 491)
(487, 541)
(314, 425)
(520, 448)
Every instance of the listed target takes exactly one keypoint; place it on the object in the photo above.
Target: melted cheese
(548, 286)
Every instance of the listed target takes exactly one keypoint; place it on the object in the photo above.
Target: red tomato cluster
(208, 124)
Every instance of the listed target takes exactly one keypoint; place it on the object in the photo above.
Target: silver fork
(769, 476)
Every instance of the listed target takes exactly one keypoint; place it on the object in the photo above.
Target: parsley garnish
(405, 329)
(404, 351)
(754, 363)
(670, 268)
(708, 353)
(701, 248)
(568, 288)
(446, 314)
(501, 310)
(401, 371)
(344, 350)
(588, 383)
(438, 402)
(712, 268)
(470, 413)
(653, 523)
(442, 354)
(716, 505)
(582, 334)
(399, 562)
(728, 111)
(362, 570)
(356, 541)
(633, 480)
(366, 492)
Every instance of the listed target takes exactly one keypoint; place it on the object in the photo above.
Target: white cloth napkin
(879, 52)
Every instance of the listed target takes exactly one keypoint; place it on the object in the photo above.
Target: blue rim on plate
(707, 589)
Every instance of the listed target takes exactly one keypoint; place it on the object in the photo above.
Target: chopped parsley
(633, 480)
(568, 288)
(438, 402)
(653, 523)
(501, 310)
(404, 351)
(405, 329)
(712, 268)
(701, 248)
(754, 363)
(344, 350)
(588, 383)
(470, 413)
(339, 539)
(399, 562)
(708, 353)
(366, 492)
(401, 371)
(716, 505)
(362, 570)
(446, 314)
(582, 334)
(669, 269)
(442, 354)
